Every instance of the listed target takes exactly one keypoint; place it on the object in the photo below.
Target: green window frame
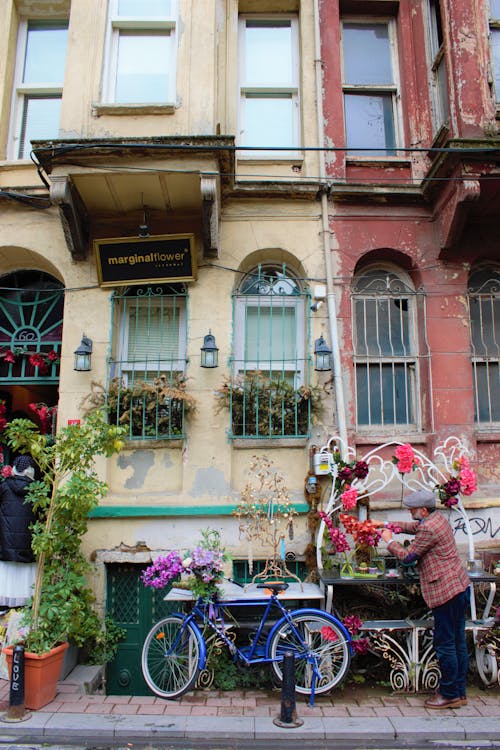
(269, 363)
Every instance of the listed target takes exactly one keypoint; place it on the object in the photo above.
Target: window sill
(378, 161)
(278, 442)
(141, 444)
(415, 438)
(492, 436)
(295, 158)
(132, 109)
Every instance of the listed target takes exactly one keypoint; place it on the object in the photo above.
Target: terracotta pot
(41, 674)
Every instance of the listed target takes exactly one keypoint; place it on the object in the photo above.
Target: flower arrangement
(41, 360)
(463, 482)
(346, 473)
(405, 459)
(353, 624)
(204, 565)
(46, 415)
(365, 535)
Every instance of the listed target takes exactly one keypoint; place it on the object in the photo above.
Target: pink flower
(329, 634)
(353, 624)
(361, 646)
(467, 480)
(405, 458)
(349, 498)
(6, 471)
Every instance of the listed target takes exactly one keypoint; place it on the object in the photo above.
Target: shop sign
(126, 260)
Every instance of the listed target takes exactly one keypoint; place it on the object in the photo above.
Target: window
(495, 43)
(142, 61)
(484, 307)
(385, 360)
(439, 85)
(269, 89)
(370, 88)
(267, 395)
(39, 83)
(146, 375)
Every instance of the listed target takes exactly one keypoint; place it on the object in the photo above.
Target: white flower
(186, 562)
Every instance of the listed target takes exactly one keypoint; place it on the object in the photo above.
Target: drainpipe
(330, 296)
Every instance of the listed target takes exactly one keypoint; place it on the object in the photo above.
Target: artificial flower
(349, 498)
(405, 458)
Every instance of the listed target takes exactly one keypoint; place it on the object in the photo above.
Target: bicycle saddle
(274, 586)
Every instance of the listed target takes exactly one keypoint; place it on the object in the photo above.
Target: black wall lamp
(83, 355)
(322, 355)
(209, 352)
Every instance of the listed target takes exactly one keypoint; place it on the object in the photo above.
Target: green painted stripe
(145, 511)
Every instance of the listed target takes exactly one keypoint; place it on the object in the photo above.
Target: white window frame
(410, 360)
(394, 89)
(178, 364)
(242, 303)
(494, 23)
(437, 67)
(167, 25)
(22, 91)
(267, 89)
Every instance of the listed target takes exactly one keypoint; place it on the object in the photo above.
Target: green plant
(145, 409)
(266, 406)
(62, 608)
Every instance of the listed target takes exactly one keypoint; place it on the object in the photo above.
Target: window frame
(487, 358)
(393, 89)
(22, 92)
(440, 106)
(410, 361)
(494, 31)
(160, 25)
(247, 90)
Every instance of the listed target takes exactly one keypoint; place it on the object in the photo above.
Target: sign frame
(137, 247)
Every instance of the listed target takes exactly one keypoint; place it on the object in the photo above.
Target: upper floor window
(267, 395)
(146, 373)
(142, 52)
(484, 307)
(438, 82)
(41, 58)
(384, 350)
(370, 86)
(495, 43)
(269, 84)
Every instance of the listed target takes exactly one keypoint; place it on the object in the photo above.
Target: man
(445, 589)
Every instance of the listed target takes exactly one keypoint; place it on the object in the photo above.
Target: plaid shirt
(442, 574)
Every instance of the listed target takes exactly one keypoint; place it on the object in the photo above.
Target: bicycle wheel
(322, 644)
(171, 657)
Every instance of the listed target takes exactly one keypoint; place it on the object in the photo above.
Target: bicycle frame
(211, 615)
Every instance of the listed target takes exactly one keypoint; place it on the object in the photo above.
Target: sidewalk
(362, 713)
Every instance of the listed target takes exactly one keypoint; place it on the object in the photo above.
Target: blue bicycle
(175, 649)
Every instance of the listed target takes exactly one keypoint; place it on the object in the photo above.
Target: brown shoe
(463, 700)
(439, 701)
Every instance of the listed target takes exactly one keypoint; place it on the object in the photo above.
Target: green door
(135, 608)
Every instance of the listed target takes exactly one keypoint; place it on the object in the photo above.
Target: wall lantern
(322, 355)
(83, 355)
(209, 352)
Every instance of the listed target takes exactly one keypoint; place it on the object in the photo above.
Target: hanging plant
(41, 360)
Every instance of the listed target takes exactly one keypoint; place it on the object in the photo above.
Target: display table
(407, 644)
(229, 591)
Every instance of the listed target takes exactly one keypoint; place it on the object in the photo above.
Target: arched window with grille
(146, 379)
(484, 312)
(268, 396)
(385, 361)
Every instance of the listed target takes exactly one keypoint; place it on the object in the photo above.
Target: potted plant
(61, 610)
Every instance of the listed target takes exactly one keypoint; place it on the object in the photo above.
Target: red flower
(6, 471)
(10, 356)
(52, 356)
(329, 634)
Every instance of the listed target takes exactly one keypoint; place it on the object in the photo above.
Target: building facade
(265, 178)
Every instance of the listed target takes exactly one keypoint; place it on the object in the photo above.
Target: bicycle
(175, 649)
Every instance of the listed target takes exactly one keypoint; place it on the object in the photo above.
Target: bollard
(288, 716)
(16, 710)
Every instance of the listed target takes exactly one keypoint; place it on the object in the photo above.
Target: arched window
(31, 323)
(148, 364)
(484, 311)
(269, 355)
(384, 349)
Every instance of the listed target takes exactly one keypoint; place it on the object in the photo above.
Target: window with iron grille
(268, 394)
(484, 310)
(146, 388)
(385, 355)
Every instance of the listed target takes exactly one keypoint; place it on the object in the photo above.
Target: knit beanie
(24, 466)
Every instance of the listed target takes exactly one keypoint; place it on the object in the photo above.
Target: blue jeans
(450, 645)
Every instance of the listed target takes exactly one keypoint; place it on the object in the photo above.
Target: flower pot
(41, 674)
